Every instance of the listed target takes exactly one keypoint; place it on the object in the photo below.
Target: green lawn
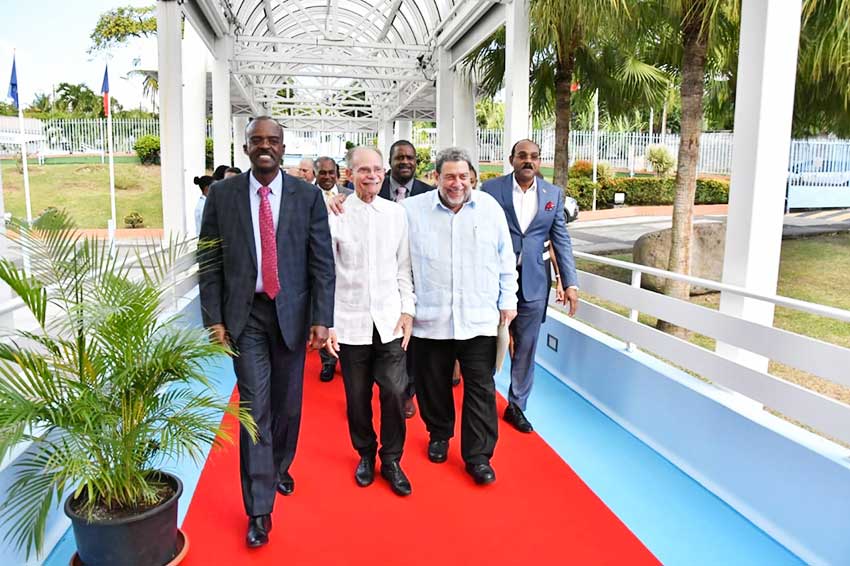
(811, 269)
(83, 190)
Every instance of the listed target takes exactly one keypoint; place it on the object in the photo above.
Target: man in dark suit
(327, 177)
(534, 210)
(266, 284)
(402, 182)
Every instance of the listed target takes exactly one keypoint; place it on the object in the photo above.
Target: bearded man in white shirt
(373, 317)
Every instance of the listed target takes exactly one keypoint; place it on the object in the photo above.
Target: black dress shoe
(438, 450)
(327, 373)
(514, 417)
(286, 485)
(365, 473)
(481, 473)
(259, 528)
(392, 472)
(409, 408)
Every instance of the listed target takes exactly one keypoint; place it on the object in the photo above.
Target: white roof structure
(339, 64)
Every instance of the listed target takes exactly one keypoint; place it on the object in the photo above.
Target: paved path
(596, 233)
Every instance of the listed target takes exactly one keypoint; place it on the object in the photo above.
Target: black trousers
(270, 381)
(362, 367)
(479, 425)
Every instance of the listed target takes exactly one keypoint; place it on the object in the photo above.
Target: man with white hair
(464, 271)
(307, 170)
(373, 317)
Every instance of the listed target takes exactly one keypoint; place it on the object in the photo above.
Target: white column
(405, 130)
(464, 119)
(764, 101)
(385, 138)
(239, 158)
(221, 101)
(169, 25)
(517, 60)
(445, 99)
(195, 57)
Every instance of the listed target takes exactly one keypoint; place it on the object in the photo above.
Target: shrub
(134, 220)
(208, 154)
(147, 148)
(581, 169)
(350, 145)
(650, 191)
(661, 160)
(712, 191)
(581, 189)
(423, 161)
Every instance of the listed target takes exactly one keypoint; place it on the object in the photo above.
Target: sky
(51, 38)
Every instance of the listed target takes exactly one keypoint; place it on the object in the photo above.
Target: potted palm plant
(107, 389)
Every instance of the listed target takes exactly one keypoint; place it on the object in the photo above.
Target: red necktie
(268, 247)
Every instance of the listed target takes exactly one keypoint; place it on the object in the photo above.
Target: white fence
(819, 169)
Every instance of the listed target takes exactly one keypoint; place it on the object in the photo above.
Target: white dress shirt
(525, 207)
(463, 265)
(374, 282)
(525, 204)
(199, 213)
(276, 187)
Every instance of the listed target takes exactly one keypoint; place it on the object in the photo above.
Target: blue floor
(677, 519)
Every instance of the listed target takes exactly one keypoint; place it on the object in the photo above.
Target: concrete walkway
(616, 230)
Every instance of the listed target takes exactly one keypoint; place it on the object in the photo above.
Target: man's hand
(405, 326)
(560, 296)
(318, 337)
(218, 335)
(335, 204)
(332, 345)
(506, 316)
(571, 296)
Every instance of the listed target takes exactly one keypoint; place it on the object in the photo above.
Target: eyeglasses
(527, 156)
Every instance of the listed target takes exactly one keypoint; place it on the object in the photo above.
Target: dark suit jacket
(418, 188)
(228, 259)
(548, 224)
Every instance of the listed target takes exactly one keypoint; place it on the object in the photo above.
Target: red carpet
(537, 512)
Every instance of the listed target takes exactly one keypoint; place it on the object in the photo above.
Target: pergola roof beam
(255, 70)
(374, 62)
(311, 88)
(388, 24)
(321, 42)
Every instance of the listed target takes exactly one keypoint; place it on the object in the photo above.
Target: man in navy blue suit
(267, 288)
(534, 210)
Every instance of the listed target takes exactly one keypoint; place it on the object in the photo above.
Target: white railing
(825, 360)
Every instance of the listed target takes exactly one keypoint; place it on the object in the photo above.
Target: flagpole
(26, 169)
(111, 179)
(104, 90)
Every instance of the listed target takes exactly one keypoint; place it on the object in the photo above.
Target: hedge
(643, 191)
(147, 148)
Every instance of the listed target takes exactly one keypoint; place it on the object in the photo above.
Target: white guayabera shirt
(374, 282)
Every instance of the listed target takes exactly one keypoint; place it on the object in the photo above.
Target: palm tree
(569, 41)
(78, 98)
(150, 85)
(41, 104)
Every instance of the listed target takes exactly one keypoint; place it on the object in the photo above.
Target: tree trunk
(563, 114)
(693, 73)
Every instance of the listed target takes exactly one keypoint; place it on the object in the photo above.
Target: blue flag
(13, 85)
(104, 90)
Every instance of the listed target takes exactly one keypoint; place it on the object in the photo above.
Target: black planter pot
(148, 539)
